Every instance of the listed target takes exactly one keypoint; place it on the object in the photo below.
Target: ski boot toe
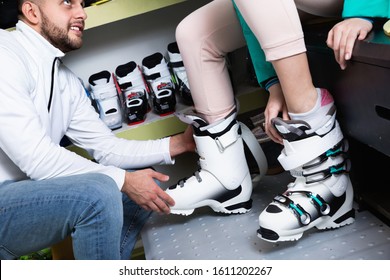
(203, 189)
(296, 211)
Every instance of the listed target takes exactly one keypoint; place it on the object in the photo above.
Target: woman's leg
(264, 69)
(322, 193)
(223, 181)
(277, 26)
(204, 38)
(307, 9)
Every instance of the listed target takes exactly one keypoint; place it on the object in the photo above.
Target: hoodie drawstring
(52, 83)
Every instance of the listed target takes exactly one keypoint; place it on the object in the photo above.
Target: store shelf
(115, 10)
(154, 127)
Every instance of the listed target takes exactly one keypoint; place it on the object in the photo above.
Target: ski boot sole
(239, 208)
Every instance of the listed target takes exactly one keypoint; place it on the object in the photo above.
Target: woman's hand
(342, 38)
(276, 105)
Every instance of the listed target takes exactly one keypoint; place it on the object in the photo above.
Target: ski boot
(321, 195)
(223, 181)
(133, 89)
(103, 91)
(180, 74)
(161, 85)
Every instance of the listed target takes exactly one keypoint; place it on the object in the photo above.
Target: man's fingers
(162, 205)
(159, 176)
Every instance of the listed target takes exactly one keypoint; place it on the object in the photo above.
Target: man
(47, 192)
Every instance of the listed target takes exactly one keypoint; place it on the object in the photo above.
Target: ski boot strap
(255, 149)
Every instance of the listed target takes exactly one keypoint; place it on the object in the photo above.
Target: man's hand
(142, 188)
(342, 38)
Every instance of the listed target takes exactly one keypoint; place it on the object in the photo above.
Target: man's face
(62, 23)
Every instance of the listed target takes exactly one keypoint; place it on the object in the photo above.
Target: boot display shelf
(208, 235)
(154, 127)
(115, 10)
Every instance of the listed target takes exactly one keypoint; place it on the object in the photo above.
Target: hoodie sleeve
(23, 138)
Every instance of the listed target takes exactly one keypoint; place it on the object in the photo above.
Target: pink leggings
(209, 33)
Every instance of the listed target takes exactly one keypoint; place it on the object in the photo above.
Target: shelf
(121, 9)
(155, 127)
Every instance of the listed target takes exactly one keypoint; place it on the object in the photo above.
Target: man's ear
(30, 12)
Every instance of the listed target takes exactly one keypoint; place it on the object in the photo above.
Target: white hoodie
(30, 134)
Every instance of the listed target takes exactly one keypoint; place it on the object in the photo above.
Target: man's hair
(20, 3)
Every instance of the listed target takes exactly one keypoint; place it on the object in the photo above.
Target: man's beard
(58, 37)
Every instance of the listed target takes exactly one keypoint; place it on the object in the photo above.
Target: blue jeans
(103, 222)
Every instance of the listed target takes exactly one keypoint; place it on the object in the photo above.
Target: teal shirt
(366, 8)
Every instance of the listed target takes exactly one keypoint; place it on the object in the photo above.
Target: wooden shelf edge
(121, 9)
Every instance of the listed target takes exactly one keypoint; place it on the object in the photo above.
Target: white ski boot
(160, 82)
(321, 195)
(180, 74)
(103, 91)
(134, 92)
(223, 181)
